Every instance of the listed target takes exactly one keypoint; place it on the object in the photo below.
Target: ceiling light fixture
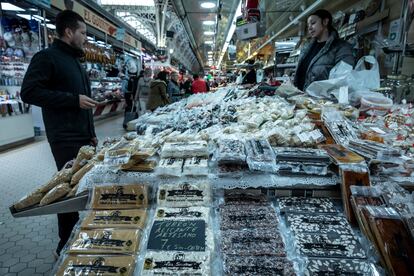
(208, 5)
(51, 26)
(210, 42)
(40, 18)
(209, 22)
(230, 33)
(209, 33)
(10, 7)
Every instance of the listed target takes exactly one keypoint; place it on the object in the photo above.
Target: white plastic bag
(357, 80)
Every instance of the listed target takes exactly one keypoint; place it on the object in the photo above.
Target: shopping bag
(359, 81)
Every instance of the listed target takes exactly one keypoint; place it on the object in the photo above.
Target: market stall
(270, 172)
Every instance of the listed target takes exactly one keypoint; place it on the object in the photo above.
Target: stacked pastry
(108, 240)
(63, 183)
(250, 240)
(388, 228)
(231, 157)
(184, 158)
(180, 241)
(324, 236)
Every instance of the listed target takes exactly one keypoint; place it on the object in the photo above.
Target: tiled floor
(26, 244)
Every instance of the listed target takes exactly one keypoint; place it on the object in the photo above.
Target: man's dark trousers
(64, 152)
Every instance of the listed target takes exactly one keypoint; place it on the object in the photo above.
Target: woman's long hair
(324, 14)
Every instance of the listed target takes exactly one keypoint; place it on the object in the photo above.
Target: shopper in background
(250, 77)
(186, 86)
(323, 53)
(158, 93)
(56, 81)
(173, 89)
(199, 85)
(143, 91)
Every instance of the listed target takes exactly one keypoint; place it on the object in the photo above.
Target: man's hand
(86, 103)
(94, 141)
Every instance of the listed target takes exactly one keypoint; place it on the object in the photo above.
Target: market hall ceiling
(154, 19)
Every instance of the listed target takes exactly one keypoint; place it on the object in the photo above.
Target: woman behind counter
(324, 51)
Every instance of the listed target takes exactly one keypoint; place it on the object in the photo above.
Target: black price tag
(176, 235)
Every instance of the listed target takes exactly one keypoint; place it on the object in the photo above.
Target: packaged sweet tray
(242, 198)
(176, 263)
(252, 242)
(185, 149)
(70, 265)
(329, 246)
(316, 267)
(195, 166)
(184, 194)
(260, 155)
(258, 265)
(301, 155)
(306, 205)
(322, 224)
(115, 219)
(245, 216)
(170, 167)
(231, 152)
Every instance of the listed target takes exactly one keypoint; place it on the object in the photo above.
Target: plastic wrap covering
(184, 149)
(196, 166)
(230, 152)
(323, 245)
(105, 241)
(93, 265)
(184, 195)
(176, 263)
(85, 153)
(306, 205)
(111, 197)
(244, 216)
(260, 156)
(247, 242)
(393, 240)
(57, 192)
(318, 266)
(258, 265)
(115, 219)
(304, 161)
(170, 167)
(323, 224)
(378, 151)
(183, 213)
(340, 128)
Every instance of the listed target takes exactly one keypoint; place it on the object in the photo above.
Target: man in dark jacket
(56, 81)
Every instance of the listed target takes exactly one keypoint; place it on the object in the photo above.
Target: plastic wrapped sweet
(230, 152)
(113, 197)
(94, 265)
(322, 224)
(62, 176)
(119, 154)
(73, 192)
(183, 213)
(316, 267)
(57, 192)
(81, 172)
(306, 205)
(245, 198)
(170, 167)
(196, 166)
(176, 263)
(258, 265)
(247, 242)
(324, 245)
(105, 241)
(115, 219)
(184, 195)
(260, 155)
(185, 149)
(85, 153)
(140, 166)
(29, 200)
(245, 216)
